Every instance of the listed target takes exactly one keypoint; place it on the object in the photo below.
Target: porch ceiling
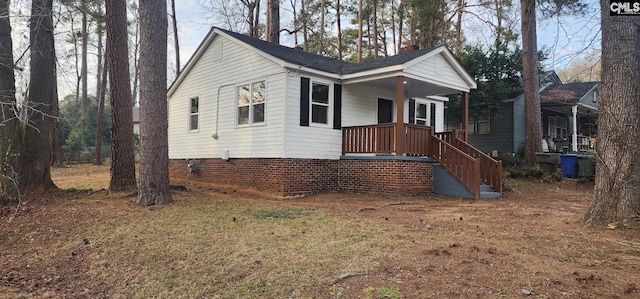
(412, 88)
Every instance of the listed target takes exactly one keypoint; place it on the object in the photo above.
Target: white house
(252, 113)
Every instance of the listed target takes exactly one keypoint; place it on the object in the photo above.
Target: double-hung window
(193, 114)
(251, 101)
(320, 103)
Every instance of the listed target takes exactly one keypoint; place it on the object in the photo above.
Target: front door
(385, 111)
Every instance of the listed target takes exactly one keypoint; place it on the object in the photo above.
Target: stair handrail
(490, 168)
(465, 168)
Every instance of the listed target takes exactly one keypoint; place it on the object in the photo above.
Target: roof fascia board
(438, 82)
(296, 68)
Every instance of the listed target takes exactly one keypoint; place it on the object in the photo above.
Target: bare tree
(154, 152)
(176, 44)
(122, 151)
(97, 160)
(339, 29)
(617, 189)
(34, 169)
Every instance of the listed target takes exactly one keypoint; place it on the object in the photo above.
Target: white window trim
(251, 105)
(427, 112)
(329, 105)
(192, 114)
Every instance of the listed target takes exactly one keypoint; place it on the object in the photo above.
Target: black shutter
(304, 101)
(337, 106)
(433, 115)
(412, 111)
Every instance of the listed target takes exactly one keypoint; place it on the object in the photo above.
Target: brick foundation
(289, 177)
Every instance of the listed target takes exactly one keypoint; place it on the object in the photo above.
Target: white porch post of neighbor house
(574, 136)
(400, 116)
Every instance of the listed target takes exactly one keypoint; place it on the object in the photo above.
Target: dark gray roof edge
(320, 62)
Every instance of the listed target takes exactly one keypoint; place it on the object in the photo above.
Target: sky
(566, 38)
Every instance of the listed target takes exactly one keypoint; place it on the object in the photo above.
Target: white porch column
(574, 136)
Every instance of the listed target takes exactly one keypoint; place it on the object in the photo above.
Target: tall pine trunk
(617, 188)
(533, 138)
(154, 153)
(123, 172)
(34, 168)
(9, 138)
(273, 21)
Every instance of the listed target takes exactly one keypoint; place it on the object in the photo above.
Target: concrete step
(446, 184)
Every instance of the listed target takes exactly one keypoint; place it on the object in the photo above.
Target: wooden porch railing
(374, 139)
(490, 169)
(462, 160)
(418, 140)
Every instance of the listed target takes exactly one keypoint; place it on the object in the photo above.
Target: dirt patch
(222, 243)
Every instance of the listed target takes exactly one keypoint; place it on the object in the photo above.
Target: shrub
(534, 173)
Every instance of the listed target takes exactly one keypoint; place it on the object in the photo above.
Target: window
(320, 103)
(424, 114)
(421, 114)
(482, 125)
(251, 101)
(557, 127)
(193, 115)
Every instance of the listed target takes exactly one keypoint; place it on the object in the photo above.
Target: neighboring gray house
(569, 112)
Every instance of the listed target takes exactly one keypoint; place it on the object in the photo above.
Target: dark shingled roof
(566, 93)
(319, 62)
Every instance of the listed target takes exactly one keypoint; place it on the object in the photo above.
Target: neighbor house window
(320, 103)
(558, 127)
(482, 125)
(251, 101)
(193, 115)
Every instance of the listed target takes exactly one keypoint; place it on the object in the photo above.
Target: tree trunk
(401, 13)
(9, 138)
(533, 138)
(100, 33)
(305, 25)
(154, 153)
(375, 28)
(338, 23)
(175, 36)
(321, 37)
(360, 31)
(617, 188)
(84, 69)
(273, 21)
(136, 69)
(35, 158)
(123, 175)
(97, 160)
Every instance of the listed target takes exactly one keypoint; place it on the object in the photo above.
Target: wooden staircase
(476, 171)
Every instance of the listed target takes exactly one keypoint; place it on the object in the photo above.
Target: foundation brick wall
(290, 177)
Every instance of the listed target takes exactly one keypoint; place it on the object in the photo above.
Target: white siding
(437, 69)
(360, 103)
(313, 141)
(239, 65)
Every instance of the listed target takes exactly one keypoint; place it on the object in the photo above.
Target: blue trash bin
(569, 165)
